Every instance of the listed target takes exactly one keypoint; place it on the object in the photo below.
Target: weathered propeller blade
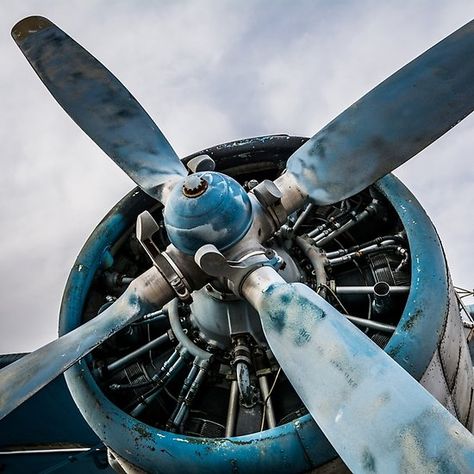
(377, 417)
(99, 104)
(22, 379)
(392, 123)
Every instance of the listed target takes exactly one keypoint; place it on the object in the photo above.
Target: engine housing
(428, 338)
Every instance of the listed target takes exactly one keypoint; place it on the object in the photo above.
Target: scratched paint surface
(390, 124)
(23, 378)
(99, 104)
(221, 215)
(422, 323)
(340, 374)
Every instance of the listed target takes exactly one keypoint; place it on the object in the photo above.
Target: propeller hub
(208, 208)
(194, 186)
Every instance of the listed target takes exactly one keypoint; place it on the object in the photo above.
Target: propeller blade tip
(28, 26)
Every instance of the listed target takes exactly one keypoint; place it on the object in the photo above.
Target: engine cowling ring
(297, 446)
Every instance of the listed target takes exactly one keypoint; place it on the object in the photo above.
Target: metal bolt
(194, 186)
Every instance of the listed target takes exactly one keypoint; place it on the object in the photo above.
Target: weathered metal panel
(48, 418)
(435, 382)
(451, 342)
(93, 461)
(463, 384)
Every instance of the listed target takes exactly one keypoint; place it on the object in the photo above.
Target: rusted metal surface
(390, 124)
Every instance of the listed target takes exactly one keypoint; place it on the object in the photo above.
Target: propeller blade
(390, 124)
(99, 103)
(22, 379)
(377, 417)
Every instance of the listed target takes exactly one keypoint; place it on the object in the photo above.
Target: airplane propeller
(391, 123)
(21, 380)
(378, 417)
(99, 103)
(335, 369)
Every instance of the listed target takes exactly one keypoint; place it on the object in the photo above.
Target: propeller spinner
(210, 217)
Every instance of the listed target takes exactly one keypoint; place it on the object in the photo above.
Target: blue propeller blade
(22, 379)
(392, 123)
(377, 417)
(99, 104)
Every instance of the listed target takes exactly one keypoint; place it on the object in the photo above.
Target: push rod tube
(369, 290)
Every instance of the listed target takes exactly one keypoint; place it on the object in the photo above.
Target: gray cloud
(207, 72)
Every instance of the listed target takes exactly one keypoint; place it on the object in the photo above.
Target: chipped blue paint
(22, 379)
(280, 451)
(221, 215)
(303, 445)
(340, 373)
(421, 326)
(299, 445)
(390, 124)
(99, 104)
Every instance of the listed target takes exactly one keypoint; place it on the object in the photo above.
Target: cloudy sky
(207, 72)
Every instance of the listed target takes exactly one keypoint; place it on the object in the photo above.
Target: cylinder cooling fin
(195, 386)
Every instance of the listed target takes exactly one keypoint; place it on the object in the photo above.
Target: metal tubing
(329, 234)
(387, 244)
(368, 290)
(371, 324)
(302, 216)
(173, 370)
(318, 229)
(232, 410)
(354, 248)
(153, 317)
(369, 210)
(243, 382)
(169, 362)
(316, 258)
(129, 358)
(382, 299)
(160, 383)
(191, 395)
(269, 413)
(184, 390)
(184, 340)
(334, 221)
(188, 392)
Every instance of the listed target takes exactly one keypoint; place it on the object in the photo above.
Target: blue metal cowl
(207, 208)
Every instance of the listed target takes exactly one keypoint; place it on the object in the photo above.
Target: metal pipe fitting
(371, 324)
(129, 358)
(269, 412)
(368, 290)
(382, 299)
(232, 409)
(178, 331)
(317, 259)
